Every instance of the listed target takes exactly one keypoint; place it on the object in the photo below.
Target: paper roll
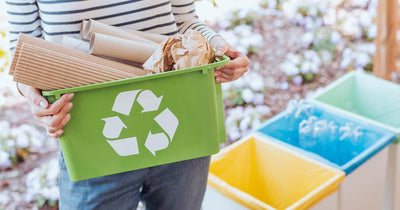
(158, 38)
(75, 43)
(119, 48)
(83, 31)
(97, 27)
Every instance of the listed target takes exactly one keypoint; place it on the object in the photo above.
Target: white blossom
(263, 109)
(335, 37)
(247, 95)
(307, 39)
(233, 133)
(362, 60)
(293, 58)
(290, 69)
(258, 99)
(297, 80)
(345, 63)
(305, 67)
(236, 113)
(255, 124)
(22, 141)
(245, 123)
(5, 161)
(285, 85)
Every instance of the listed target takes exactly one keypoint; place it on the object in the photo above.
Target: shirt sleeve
(23, 17)
(186, 18)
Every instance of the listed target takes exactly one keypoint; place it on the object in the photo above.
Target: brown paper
(75, 43)
(179, 52)
(50, 70)
(119, 48)
(97, 27)
(23, 38)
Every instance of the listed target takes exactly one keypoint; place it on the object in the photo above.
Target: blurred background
(295, 48)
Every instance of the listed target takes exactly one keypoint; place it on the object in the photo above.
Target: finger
(53, 108)
(227, 72)
(238, 62)
(55, 134)
(231, 76)
(64, 120)
(221, 50)
(33, 95)
(53, 121)
(221, 80)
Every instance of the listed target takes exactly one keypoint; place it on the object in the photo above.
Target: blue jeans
(179, 186)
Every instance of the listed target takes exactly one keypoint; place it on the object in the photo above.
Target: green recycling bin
(370, 99)
(144, 121)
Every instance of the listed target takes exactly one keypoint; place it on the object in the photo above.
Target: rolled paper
(124, 49)
(83, 31)
(112, 65)
(75, 43)
(97, 27)
(157, 38)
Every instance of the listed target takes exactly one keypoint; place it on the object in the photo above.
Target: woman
(178, 185)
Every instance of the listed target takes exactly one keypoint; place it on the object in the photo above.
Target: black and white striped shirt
(50, 19)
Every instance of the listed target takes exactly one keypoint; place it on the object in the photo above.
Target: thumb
(221, 50)
(35, 97)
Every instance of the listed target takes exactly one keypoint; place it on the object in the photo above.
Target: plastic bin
(364, 163)
(144, 121)
(368, 98)
(258, 173)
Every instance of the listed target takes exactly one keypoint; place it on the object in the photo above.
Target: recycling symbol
(149, 102)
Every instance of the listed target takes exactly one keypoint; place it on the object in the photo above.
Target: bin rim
(387, 138)
(219, 61)
(339, 81)
(235, 194)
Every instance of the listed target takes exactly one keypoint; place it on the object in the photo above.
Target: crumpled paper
(180, 51)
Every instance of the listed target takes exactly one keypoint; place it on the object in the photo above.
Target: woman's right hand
(53, 116)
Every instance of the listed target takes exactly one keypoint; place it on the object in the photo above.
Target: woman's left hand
(236, 68)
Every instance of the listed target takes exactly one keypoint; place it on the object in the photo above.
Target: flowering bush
(241, 120)
(248, 89)
(303, 67)
(16, 143)
(359, 56)
(243, 38)
(323, 39)
(42, 184)
(357, 23)
(306, 13)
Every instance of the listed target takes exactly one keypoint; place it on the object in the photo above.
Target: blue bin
(343, 155)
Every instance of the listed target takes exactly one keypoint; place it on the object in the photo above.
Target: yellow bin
(261, 174)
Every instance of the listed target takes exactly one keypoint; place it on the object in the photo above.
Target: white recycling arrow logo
(149, 102)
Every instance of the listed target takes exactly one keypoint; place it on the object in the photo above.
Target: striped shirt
(50, 19)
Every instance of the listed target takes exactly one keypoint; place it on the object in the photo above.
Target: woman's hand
(236, 68)
(53, 116)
